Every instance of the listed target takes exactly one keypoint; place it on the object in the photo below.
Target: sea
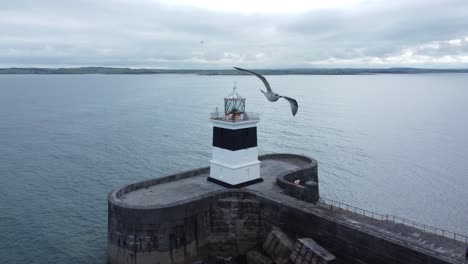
(392, 144)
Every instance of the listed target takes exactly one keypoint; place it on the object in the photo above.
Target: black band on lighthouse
(234, 139)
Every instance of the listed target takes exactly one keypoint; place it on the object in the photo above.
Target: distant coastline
(291, 71)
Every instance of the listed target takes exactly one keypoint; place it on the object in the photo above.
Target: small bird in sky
(270, 95)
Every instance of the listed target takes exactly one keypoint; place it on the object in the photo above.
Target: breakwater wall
(210, 221)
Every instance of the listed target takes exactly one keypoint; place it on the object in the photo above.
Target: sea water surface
(393, 144)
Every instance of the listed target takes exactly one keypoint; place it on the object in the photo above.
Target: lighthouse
(234, 161)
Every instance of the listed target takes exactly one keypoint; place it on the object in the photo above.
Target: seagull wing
(293, 103)
(265, 82)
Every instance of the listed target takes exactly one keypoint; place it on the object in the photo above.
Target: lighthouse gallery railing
(242, 117)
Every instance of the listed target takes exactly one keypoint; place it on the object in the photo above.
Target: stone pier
(183, 218)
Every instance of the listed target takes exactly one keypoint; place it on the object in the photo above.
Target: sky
(219, 34)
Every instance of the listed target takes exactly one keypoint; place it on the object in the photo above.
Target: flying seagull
(270, 95)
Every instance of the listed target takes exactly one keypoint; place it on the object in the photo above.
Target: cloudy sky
(212, 34)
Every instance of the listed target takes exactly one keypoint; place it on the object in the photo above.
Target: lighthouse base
(240, 185)
(235, 176)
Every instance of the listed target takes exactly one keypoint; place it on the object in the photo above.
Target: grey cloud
(397, 24)
(387, 20)
(146, 34)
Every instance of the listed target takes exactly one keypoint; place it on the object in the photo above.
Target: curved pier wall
(225, 224)
(308, 174)
(230, 223)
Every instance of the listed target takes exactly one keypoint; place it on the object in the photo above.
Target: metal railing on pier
(394, 219)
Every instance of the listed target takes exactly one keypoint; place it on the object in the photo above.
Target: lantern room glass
(234, 103)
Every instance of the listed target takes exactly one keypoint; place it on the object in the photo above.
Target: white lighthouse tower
(234, 161)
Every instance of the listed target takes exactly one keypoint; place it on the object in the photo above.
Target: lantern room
(234, 103)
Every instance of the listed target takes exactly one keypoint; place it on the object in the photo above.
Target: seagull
(272, 96)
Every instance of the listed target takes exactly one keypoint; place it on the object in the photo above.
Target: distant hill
(299, 71)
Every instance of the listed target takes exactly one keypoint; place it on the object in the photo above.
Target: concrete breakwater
(183, 218)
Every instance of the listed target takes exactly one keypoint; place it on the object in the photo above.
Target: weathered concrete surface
(255, 257)
(166, 194)
(278, 246)
(307, 251)
(182, 217)
(234, 226)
